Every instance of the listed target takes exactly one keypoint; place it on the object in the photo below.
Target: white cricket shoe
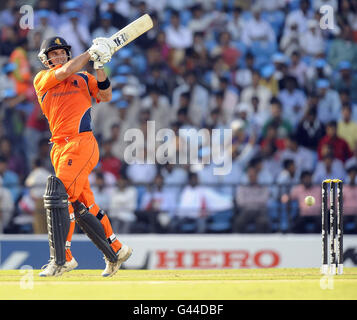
(112, 267)
(53, 270)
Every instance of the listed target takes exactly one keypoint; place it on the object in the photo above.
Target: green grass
(226, 284)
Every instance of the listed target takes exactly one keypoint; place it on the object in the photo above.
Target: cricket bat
(132, 31)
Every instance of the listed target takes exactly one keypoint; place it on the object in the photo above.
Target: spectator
(200, 20)
(328, 168)
(329, 105)
(264, 175)
(178, 36)
(33, 200)
(343, 49)
(311, 41)
(305, 213)
(118, 13)
(310, 130)
(298, 68)
(304, 158)
(44, 154)
(22, 73)
(9, 40)
(159, 107)
(346, 13)
(263, 94)
(318, 69)
(269, 155)
(76, 34)
(141, 171)
(294, 102)
(300, 16)
(243, 76)
(256, 118)
(108, 162)
(347, 128)
(14, 158)
(236, 25)
(289, 175)
(230, 98)
(46, 7)
(290, 40)
(122, 206)
(36, 129)
(251, 200)
(270, 140)
(349, 200)
(229, 181)
(196, 204)
(352, 161)
(43, 26)
(339, 146)
(106, 29)
(268, 79)
(10, 179)
(346, 80)
(6, 15)
(198, 98)
(226, 50)
(157, 206)
(156, 77)
(277, 119)
(105, 115)
(243, 145)
(257, 30)
(175, 177)
(7, 207)
(131, 95)
(101, 191)
(162, 47)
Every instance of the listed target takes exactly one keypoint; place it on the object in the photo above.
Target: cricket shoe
(53, 270)
(112, 267)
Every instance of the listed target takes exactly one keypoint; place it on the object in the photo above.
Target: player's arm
(71, 67)
(105, 88)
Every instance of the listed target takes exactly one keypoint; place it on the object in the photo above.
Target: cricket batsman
(65, 93)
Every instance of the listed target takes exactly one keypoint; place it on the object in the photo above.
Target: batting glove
(99, 53)
(107, 42)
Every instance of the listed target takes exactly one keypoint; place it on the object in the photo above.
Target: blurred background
(265, 69)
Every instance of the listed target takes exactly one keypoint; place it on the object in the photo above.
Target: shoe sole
(121, 261)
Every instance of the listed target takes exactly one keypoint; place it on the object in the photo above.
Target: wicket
(332, 261)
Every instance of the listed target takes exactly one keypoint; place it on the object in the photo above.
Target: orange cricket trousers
(73, 159)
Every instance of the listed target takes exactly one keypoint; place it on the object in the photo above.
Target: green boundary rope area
(226, 284)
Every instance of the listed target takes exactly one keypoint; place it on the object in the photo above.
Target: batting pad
(92, 227)
(58, 222)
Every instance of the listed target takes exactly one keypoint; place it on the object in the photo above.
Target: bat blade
(132, 31)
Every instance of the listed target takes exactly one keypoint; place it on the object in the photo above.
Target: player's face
(58, 56)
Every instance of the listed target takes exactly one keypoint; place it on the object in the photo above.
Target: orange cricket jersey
(66, 104)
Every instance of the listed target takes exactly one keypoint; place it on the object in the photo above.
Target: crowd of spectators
(265, 69)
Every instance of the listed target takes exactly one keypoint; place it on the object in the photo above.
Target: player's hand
(107, 42)
(99, 53)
